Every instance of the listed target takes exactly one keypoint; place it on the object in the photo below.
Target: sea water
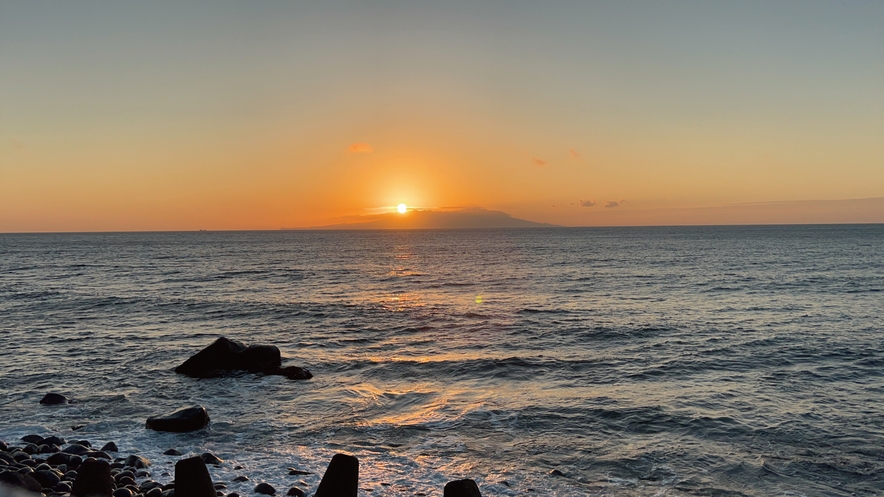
(616, 361)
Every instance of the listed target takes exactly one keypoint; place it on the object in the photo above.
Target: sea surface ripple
(731, 361)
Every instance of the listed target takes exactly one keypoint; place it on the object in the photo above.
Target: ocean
(728, 361)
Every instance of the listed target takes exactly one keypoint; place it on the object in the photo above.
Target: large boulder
(192, 478)
(93, 479)
(341, 478)
(225, 355)
(461, 488)
(188, 419)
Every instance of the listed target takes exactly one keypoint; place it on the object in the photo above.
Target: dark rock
(241, 478)
(63, 487)
(150, 485)
(29, 462)
(291, 372)
(84, 443)
(172, 452)
(98, 454)
(154, 492)
(53, 440)
(46, 478)
(75, 449)
(188, 419)
(3, 446)
(53, 399)
(224, 356)
(123, 492)
(110, 447)
(12, 478)
(137, 462)
(32, 439)
(295, 471)
(461, 488)
(74, 461)
(341, 478)
(296, 492)
(192, 479)
(209, 458)
(125, 481)
(30, 449)
(93, 478)
(220, 486)
(265, 488)
(20, 456)
(45, 449)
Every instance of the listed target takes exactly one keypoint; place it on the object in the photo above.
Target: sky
(138, 116)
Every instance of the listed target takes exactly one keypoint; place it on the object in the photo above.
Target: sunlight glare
(401, 208)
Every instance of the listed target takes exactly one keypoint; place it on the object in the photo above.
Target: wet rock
(54, 440)
(32, 439)
(53, 399)
(109, 447)
(122, 492)
(93, 478)
(192, 478)
(462, 488)
(224, 355)
(241, 478)
(75, 449)
(137, 462)
(290, 372)
(296, 471)
(295, 492)
(98, 454)
(154, 492)
(63, 487)
(172, 452)
(84, 443)
(46, 478)
(3, 446)
(265, 488)
(209, 458)
(183, 420)
(341, 478)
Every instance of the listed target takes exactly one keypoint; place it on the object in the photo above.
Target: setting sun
(401, 208)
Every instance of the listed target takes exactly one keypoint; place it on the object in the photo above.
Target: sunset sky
(263, 115)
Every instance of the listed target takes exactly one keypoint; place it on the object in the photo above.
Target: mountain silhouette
(473, 217)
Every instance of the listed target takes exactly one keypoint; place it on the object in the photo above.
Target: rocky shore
(54, 467)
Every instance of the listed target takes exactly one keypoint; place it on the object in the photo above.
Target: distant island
(465, 218)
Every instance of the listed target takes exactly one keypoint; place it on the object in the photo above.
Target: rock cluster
(54, 468)
(224, 356)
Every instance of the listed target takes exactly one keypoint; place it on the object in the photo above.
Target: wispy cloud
(538, 162)
(612, 203)
(587, 203)
(574, 154)
(360, 148)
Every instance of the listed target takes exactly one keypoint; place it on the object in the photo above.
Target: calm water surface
(646, 361)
